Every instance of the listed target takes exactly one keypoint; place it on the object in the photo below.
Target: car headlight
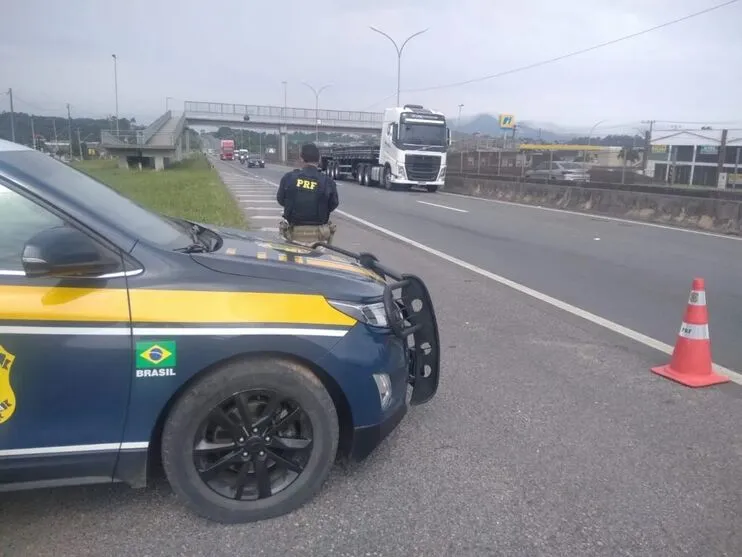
(372, 314)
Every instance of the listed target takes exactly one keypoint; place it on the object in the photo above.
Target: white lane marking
(257, 201)
(264, 208)
(443, 206)
(597, 216)
(564, 306)
(268, 229)
(265, 217)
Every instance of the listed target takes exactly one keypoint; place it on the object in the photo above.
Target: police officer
(307, 197)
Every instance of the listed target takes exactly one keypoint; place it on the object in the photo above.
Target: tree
(630, 154)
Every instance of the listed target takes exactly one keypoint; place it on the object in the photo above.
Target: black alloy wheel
(251, 440)
(253, 445)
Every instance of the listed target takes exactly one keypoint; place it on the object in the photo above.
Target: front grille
(423, 168)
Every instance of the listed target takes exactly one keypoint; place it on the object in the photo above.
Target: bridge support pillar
(187, 140)
(159, 162)
(283, 144)
(123, 162)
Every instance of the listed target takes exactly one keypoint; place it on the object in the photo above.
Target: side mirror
(65, 252)
(448, 137)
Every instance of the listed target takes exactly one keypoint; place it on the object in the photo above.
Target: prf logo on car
(156, 359)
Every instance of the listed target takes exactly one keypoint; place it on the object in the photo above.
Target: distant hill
(487, 124)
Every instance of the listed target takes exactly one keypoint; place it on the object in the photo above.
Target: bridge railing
(278, 113)
(136, 138)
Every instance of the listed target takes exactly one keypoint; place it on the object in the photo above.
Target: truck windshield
(423, 134)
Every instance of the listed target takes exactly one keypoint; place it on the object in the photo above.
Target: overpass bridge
(280, 118)
(164, 138)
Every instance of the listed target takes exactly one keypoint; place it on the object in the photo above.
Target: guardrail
(287, 113)
(687, 191)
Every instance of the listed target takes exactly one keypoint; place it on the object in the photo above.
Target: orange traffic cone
(691, 359)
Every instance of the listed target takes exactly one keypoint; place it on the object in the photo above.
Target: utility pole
(399, 53)
(647, 143)
(12, 116)
(69, 127)
(79, 143)
(54, 125)
(33, 134)
(722, 156)
(316, 108)
(116, 89)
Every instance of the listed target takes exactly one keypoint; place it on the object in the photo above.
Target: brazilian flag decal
(153, 355)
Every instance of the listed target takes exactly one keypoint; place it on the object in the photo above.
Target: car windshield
(571, 166)
(98, 198)
(423, 134)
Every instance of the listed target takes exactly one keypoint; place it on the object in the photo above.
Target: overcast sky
(55, 52)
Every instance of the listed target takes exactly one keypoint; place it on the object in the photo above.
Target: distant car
(254, 160)
(559, 172)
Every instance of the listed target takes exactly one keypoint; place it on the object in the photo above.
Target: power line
(568, 55)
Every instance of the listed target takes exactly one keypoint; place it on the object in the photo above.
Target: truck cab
(414, 142)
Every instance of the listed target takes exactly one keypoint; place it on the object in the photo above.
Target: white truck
(411, 152)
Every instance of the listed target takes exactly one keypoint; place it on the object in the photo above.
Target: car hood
(263, 255)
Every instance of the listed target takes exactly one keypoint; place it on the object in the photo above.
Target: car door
(65, 358)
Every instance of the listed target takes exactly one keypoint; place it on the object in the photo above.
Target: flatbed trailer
(361, 164)
(411, 152)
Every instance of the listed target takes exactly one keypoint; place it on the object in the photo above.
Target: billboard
(507, 121)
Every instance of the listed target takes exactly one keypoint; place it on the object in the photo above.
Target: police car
(242, 365)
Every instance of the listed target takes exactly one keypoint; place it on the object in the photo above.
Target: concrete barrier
(709, 211)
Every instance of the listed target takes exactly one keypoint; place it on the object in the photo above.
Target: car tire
(195, 407)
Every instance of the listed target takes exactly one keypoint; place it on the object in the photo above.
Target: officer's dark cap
(309, 153)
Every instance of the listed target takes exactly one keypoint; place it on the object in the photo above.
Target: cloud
(237, 51)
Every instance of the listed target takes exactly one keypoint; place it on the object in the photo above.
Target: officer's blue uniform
(307, 196)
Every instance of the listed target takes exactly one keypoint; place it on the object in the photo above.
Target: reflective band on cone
(691, 359)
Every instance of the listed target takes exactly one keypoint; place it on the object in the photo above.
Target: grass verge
(190, 189)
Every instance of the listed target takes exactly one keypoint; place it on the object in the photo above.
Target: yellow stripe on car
(38, 303)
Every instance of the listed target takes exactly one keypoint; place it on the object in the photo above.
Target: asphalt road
(548, 437)
(634, 275)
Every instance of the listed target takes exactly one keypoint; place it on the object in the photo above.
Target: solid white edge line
(595, 216)
(443, 206)
(564, 306)
(574, 310)
(64, 449)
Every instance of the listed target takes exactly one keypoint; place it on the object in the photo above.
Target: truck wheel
(362, 174)
(386, 178)
(432, 188)
(254, 439)
(367, 175)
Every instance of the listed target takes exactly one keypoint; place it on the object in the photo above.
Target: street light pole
(167, 103)
(399, 53)
(316, 108)
(285, 84)
(116, 89)
(589, 137)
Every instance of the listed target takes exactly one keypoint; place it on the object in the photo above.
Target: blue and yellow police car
(243, 367)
